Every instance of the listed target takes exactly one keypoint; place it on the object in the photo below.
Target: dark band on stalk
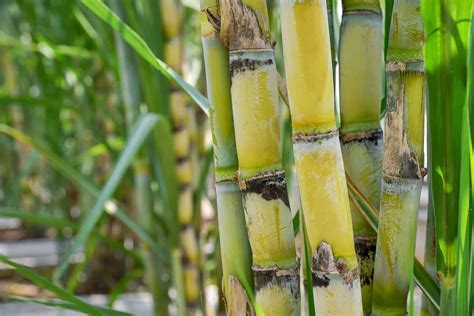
(361, 8)
(324, 265)
(301, 137)
(272, 276)
(270, 186)
(371, 136)
(365, 247)
(240, 65)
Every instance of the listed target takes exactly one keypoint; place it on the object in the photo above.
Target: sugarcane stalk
(244, 29)
(235, 249)
(172, 18)
(141, 168)
(319, 165)
(361, 56)
(403, 159)
(318, 156)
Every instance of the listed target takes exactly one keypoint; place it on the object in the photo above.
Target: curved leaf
(142, 49)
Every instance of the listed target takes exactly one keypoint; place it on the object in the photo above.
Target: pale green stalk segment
(361, 55)
(235, 249)
(398, 218)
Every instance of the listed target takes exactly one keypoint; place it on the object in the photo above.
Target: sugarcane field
(236, 157)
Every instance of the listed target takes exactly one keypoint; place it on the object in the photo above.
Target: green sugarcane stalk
(235, 249)
(361, 56)
(403, 159)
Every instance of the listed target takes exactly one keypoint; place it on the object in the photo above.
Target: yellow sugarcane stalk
(244, 29)
(318, 156)
(403, 159)
(172, 17)
(361, 56)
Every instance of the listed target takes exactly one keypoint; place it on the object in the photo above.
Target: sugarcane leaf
(307, 268)
(26, 100)
(142, 129)
(201, 184)
(36, 218)
(422, 278)
(447, 27)
(142, 49)
(66, 305)
(76, 177)
(388, 22)
(45, 48)
(50, 286)
(296, 223)
(463, 283)
(121, 286)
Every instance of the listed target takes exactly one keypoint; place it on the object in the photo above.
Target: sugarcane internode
(403, 157)
(361, 56)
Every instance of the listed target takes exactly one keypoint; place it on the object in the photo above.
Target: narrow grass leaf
(142, 49)
(53, 288)
(139, 134)
(463, 283)
(68, 306)
(36, 218)
(76, 177)
(122, 285)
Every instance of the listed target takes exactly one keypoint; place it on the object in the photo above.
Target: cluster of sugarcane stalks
(342, 245)
(345, 244)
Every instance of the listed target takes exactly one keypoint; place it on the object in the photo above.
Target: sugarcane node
(270, 186)
(403, 66)
(365, 249)
(365, 246)
(372, 136)
(319, 279)
(182, 160)
(241, 65)
(240, 29)
(275, 276)
(324, 264)
(361, 11)
(303, 137)
(177, 127)
(184, 186)
(323, 259)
